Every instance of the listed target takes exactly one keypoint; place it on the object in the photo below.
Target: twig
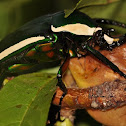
(103, 97)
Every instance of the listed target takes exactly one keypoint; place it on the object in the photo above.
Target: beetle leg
(99, 39)
(14, 70)
(121, 40)
(109, 22)
(60, 73)
(102, 58)
(18, 68)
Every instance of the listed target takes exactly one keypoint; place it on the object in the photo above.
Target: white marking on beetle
(20, 45)
(79, 55)
(97, 29)
(108, 39)
(82, 29)
(78, 29)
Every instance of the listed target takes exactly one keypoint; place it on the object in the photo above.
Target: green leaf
(112, 9)
(25, 101)
(87, 3)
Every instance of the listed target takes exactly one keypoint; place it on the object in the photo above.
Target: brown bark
(103, 97)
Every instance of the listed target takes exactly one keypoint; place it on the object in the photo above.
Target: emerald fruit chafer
(54, 37)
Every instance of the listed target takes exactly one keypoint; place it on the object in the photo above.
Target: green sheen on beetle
(53, 37)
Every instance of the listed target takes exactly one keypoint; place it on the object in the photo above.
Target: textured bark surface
(95, 87)
(103, 97)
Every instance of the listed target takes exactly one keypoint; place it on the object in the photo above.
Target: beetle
(53, 37)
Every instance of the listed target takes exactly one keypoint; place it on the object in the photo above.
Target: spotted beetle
(52, 37)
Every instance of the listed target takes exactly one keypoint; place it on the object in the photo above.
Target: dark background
(14, 13)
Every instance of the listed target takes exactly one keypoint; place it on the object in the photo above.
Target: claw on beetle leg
(59, 118)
